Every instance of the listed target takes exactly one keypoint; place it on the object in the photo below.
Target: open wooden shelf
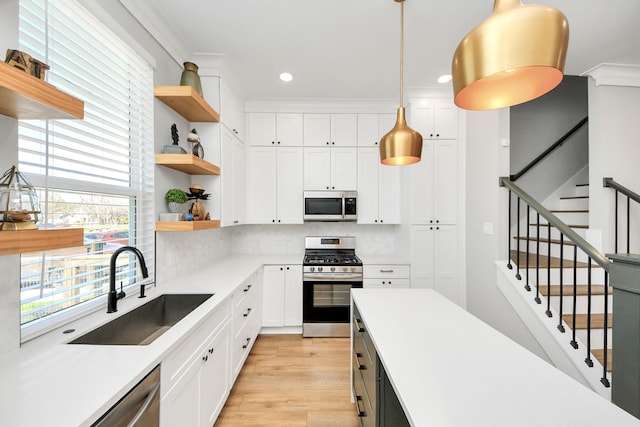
(23, 241)
(187, 102)
(23, 96)
(187, 163)
(187, 225)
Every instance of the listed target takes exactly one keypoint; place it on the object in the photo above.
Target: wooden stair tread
(581, 290)
(554, 262)
(573, 197)
(599, 354)
(545, 240)
(570, 210)
(597, 320)
(570, 226)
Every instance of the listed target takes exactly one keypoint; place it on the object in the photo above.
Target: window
(95, 173)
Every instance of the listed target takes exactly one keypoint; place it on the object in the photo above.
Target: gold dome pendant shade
(402, 145)
(515, 55)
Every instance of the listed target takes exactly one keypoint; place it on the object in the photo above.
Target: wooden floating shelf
(187, 102)
(23, 96)
(187, 163)
(24, 241)
(187, 225)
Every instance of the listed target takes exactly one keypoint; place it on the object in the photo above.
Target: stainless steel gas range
(330, 269)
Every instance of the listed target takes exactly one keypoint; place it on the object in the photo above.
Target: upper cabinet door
(290, 190)
(317, 130)
(344, 130)
(434, 119)
(344, 171)
(289, 129)
(368, 130)
(317, 168)
(261, 185)
(261, 128)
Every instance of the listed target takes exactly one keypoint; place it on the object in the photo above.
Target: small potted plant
(175, 199)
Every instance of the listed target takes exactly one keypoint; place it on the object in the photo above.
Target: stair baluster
(588, 360)
(548, 312)
(518, 241)
(561, 308)
(574, 343)
(537, 299)
(605, 362)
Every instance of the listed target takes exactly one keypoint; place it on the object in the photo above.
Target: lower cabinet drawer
(242, 344)
(364, 409)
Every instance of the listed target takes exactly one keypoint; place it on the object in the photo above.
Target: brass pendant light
(402, 145)
(514, 56)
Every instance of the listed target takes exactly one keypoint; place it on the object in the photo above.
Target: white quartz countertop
(449, 369)
(49, 383)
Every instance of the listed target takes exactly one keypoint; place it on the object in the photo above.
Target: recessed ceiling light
(286, 77)
(446, 78)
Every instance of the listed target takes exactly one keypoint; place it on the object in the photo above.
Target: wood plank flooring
(292, 381)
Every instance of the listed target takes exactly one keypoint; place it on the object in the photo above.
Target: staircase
(556, 276)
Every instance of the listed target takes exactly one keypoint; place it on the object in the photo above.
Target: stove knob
(353, 269)
(333, 269)
(320, 269)
(345, 269)
(313, 269)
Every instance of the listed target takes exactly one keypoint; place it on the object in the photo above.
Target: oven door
(327, 301)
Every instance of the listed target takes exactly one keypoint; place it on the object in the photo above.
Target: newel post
(624, 277)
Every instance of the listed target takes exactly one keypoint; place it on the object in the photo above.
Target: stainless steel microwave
(330, 206)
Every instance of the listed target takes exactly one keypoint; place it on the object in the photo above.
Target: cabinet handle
(247, 313)
(431, 135)
(437, 221)
(437, 134)
(383, 282)
(386, 271)
(281, 268)
(430, 228)
(287, 268)
(437, 228)
(247, 288)
(273, 142)
(205, 357)
(273, 220)
(327, 142)
(211, 350)
(359, 411)
(278, 142)
(358, 327)
(333, 143)
(278, 220)
(381, 221)
(375, 143)
(375, 220)
(358, 365)
(244, 346)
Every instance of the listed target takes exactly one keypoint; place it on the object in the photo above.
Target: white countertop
(49, 383)
(449, 369)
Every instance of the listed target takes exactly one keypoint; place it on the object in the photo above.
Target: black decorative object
(175, 147)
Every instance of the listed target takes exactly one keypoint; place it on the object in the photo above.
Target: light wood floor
(292, 381)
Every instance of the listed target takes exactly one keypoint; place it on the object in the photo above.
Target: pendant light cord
(401, 51)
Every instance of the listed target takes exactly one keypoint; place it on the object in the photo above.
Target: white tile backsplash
(289, 239)
(10, 303)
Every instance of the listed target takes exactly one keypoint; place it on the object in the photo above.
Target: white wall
(486, 203)
(614, 147)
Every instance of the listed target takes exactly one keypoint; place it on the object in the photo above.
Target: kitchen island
(450, 369)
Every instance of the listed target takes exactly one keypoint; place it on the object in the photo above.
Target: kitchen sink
(146, 323)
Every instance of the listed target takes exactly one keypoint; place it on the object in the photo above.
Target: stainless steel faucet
(113, 297)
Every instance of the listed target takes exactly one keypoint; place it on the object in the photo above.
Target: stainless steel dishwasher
(140, 407)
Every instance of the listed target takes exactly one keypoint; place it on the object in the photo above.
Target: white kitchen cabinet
(379, 189)
(396, 276)
(336, 130)
(247, 320)
(195, 377)
(233, 179)
(274, 188)
(282, 296)
(434, 184)
(435, 259)
(231, 113)
(372, 127)
(283, 129)
(434, 118)
(330, 168)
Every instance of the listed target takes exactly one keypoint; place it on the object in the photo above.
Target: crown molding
(615, 75)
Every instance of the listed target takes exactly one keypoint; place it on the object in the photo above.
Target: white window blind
(95, 173)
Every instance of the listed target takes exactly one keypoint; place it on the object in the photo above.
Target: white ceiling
(350, 48)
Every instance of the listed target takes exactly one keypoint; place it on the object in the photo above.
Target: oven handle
(318, 277)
